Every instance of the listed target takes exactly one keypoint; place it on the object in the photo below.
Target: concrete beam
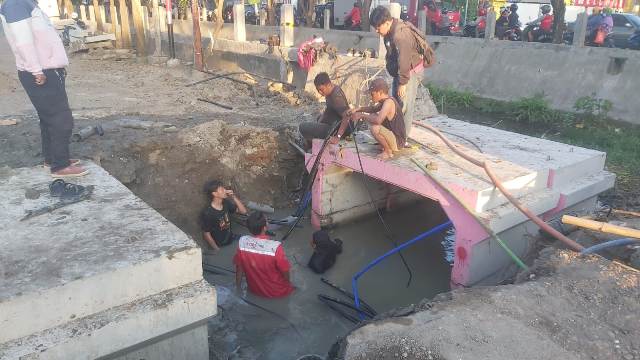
(125, 328)
(239, 31)
(580, 30)
(327, 19)
(422, 21)
(490, 30)
(106, 251)
(286, 25)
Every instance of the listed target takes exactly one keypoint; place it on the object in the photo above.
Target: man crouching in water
(262, 261)
(385, 119)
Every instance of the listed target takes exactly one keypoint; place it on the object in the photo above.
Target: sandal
(64, 190)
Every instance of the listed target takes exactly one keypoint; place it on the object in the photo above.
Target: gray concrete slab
(84, 258)
(158, 317)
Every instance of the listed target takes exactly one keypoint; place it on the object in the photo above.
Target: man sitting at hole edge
(336, 110)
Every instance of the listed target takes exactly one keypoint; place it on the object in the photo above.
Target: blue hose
(608, 244)
(354, 280)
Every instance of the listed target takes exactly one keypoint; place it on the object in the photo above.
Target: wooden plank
(125, 29)
(96, 15)
(115, 27)
(138, 23)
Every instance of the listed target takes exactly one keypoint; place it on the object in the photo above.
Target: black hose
(345, 304)
(272, 313)
(312, 177)
(384, 224)
(344, 314)
(364, 304)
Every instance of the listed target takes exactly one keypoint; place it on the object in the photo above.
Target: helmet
(514, 7)
(546, 8)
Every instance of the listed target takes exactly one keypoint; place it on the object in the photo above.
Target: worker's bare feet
(384, 156)
(70, 172)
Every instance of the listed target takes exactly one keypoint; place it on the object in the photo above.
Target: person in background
(214, 218)
(41, 61)
(354, 18)
(502, 23)
(262, 261)
(514, 18)
(404, 62)
(385, 119)
(545, 21)
(335, 111)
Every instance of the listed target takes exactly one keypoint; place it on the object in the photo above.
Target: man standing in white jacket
(41, 62)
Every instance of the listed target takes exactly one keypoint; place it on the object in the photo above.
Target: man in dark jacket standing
(404, 61)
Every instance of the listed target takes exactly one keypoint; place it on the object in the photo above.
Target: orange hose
(483, 164)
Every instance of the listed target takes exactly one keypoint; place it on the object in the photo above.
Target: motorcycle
(543, 37)
(476, 27)
(513, 34)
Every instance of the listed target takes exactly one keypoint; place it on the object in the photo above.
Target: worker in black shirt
(214, 218)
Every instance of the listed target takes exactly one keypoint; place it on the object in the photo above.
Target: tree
(307, 9)
(364, 15)
(219, 20)
(558, 20)
(271, 13)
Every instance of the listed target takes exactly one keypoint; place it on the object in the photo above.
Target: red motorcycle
(476, 27)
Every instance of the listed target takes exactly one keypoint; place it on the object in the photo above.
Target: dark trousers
(56, 121)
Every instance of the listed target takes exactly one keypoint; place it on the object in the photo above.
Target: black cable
(384, 224)
(272, 313)
(363, 303)
(344, 314)
(344, 303)
(312, 177)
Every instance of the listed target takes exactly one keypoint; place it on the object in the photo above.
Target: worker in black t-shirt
(214, 218)
(337, 107)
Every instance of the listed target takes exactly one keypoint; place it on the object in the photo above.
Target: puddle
(254, 333)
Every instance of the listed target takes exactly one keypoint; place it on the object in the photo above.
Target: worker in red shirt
(353, 19)
(262, 261)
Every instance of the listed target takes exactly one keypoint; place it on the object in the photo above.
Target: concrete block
(102, 252)
(125, 329)
(580, 29)
(507, 215)
(490, 30)
(239, 32)
(83, 12)
(286, 25)
(327, 19)
(422, 21)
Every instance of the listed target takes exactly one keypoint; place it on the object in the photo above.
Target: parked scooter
(476, 27)
(513, 34)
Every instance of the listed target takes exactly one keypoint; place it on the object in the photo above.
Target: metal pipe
(483, 164)
(354, 280)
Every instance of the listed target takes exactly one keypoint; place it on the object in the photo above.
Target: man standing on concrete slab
(41, 61)
(214, 218)
(405, 62)
(336, 110)
(262, 261)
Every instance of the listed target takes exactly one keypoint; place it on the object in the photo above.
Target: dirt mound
(168, 171)
(577, 308)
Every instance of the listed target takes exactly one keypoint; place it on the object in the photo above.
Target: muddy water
(253, 333)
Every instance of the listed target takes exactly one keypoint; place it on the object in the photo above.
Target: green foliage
(449, 97)
(593, 107)
(536, 110)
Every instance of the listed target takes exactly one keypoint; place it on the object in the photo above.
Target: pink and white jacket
(32, 38)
